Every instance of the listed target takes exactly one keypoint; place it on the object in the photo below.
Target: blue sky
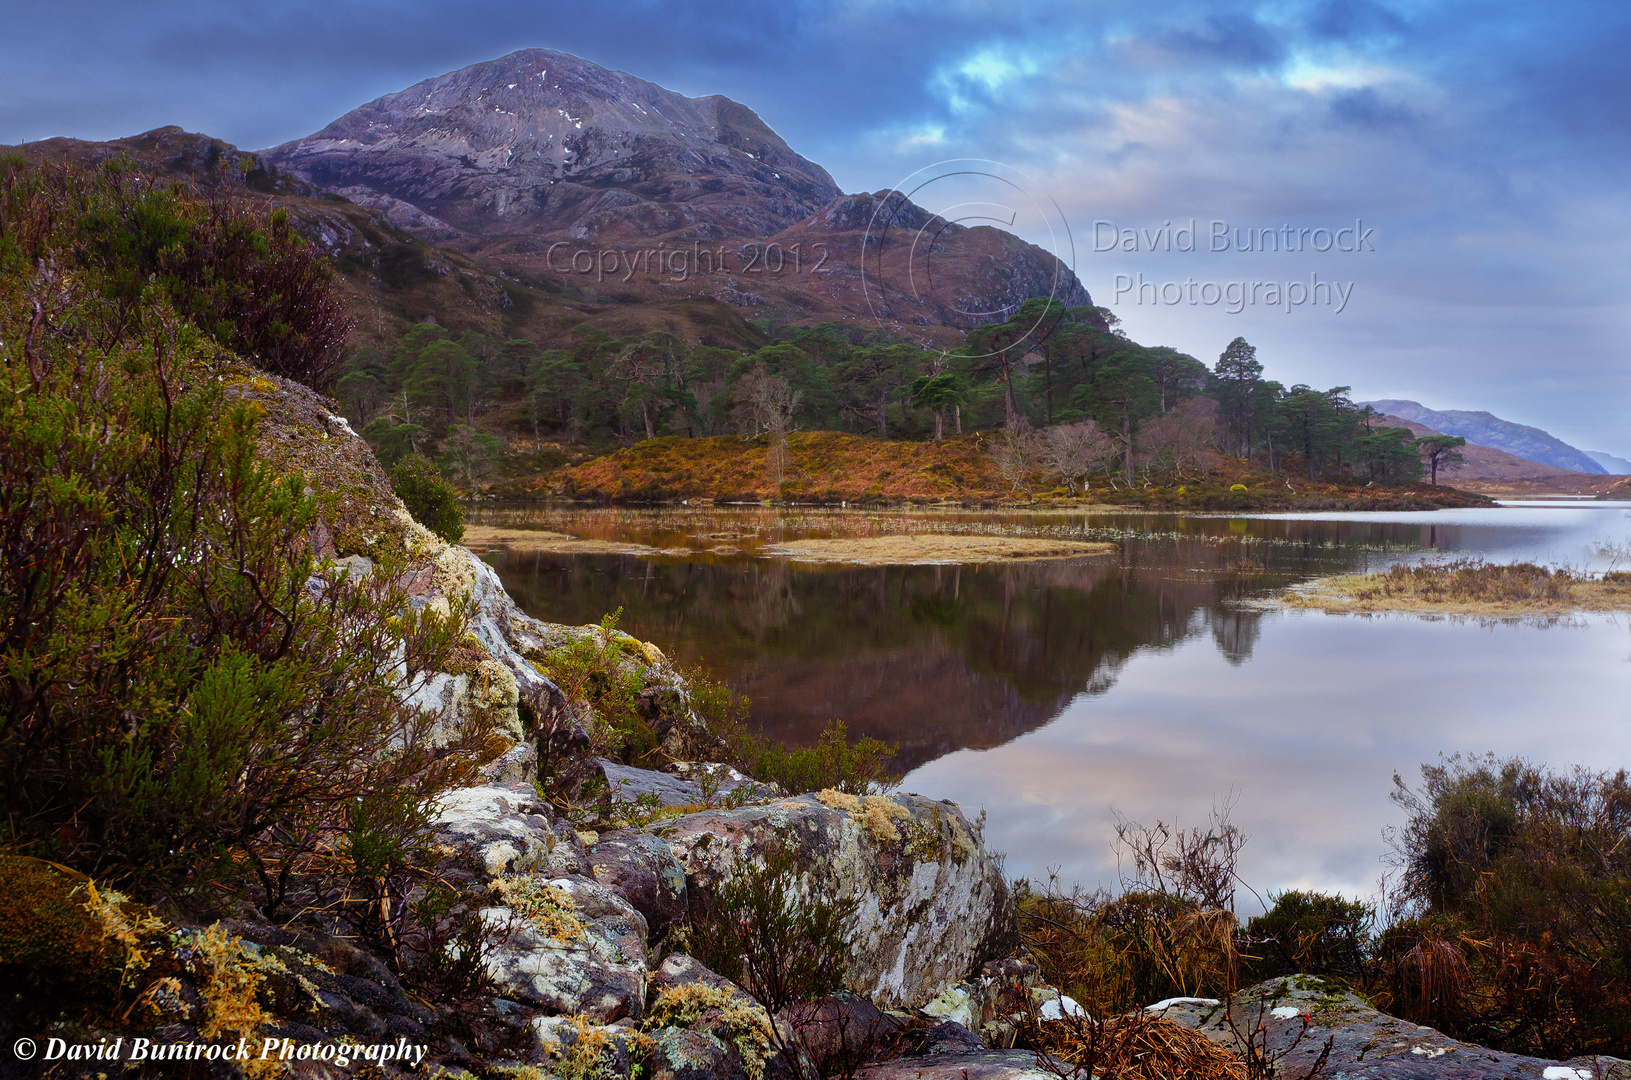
(1487, 145)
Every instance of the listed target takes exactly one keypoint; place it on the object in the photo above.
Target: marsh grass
(1468, 587)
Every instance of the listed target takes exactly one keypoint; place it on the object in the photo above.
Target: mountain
(540, 142)
(551, 162)
(1613, 466)
(1486, 429)
(1484, 462)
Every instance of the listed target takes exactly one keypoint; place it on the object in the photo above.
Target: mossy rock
(56, 959)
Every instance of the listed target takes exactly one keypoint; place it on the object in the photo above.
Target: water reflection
(931, 658)
(1054, 693)
(940, 658)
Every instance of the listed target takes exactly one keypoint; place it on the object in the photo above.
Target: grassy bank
(825, 467)
(1467, 587)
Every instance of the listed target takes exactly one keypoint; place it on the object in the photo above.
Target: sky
(1477, 152)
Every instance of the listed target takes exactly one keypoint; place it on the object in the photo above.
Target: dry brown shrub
(1133, 1047)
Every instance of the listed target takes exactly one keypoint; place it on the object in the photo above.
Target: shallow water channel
(1154, 683)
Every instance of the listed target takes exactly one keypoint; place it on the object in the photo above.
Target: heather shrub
(428, 496)
(1517, 889)
(243, 277)
(193, 702)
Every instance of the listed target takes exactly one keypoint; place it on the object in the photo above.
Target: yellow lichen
(128, 927)
(549, 910)
(839, 800)
(231, 979)
(880, 816)
(587, 1056)
(746, 1025)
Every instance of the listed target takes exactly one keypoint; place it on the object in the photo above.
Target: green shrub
(1518, 882)
(241, 276)
(591, 671)
(1310, 933)
(428, 496)
(784, 942)
(182, 708)
(859, 768)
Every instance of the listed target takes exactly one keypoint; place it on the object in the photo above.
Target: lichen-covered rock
(986, 1004)
(569, 945)
(933, 902)
(645, 872)
(678, 969)
(685, 1054)
(575, 1047)
(505, 829)
(702, 784)
(517, 765)
(1365, 1044)
(967, 1065)
(663, 697)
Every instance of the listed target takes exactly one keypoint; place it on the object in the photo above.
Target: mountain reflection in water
(931, 658)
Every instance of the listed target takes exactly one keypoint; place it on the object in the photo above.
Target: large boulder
(500, 830)
(644, 871)
(933, 904)
(1365, 1043)
(567, 945)
(692, 784)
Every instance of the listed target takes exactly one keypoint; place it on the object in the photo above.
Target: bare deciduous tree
(1077, 451)
(1177, 441)
(767, 403)
(1018, 452)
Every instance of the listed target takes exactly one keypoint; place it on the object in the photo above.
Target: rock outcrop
(1365, 1044)
(933, 902)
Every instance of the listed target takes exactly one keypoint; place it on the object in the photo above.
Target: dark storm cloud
(1487, 141)
(1233, 39)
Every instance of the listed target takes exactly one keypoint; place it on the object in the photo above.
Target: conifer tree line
(1066, 389)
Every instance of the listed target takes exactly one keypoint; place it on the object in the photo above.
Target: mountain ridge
(536, 151)
(1487, 429)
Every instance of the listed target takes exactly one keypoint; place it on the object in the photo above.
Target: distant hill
(1484, 462)
(1614, 466)
(1487, 429)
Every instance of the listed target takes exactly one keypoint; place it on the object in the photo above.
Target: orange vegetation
(832, 467)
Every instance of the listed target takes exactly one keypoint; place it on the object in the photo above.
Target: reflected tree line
(933, 659)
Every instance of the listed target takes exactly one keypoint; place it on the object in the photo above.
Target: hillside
(1482, 463)
(831, 467)
(1487, 429)
(1611, 463)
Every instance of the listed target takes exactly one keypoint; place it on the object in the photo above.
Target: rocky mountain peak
(542, 142)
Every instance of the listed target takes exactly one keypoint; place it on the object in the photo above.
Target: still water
(1152, 684)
